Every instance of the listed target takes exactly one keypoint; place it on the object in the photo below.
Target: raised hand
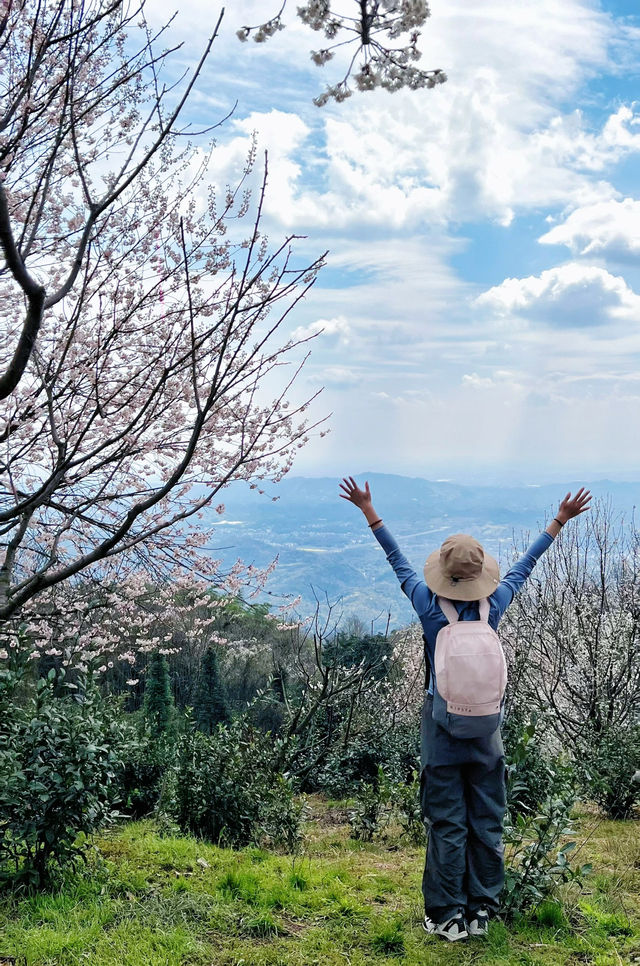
(353, 493)
(573, 506)
(361, 499)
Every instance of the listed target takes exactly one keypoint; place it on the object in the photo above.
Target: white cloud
(283, 136)
(475, 381)
(340, 377)
(375, 167)
(384, 181)
(569, 296)
(568, 139)
(547, 422)
(337, 326)
(610, 228)
(495, 140)
(501, 379)
(400, 295)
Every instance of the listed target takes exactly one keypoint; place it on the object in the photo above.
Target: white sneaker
(428, 925)
(478, 923)
(453, 929)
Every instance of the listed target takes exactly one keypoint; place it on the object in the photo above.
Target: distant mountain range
(324, 547)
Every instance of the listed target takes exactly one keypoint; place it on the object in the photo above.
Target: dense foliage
(58, 771)
(228, 789)
(608, 770)
(211, 707)
(541, 795)
(158, 699)
(144, 764)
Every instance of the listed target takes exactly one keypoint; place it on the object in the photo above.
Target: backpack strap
(448, 610)
(427, 665)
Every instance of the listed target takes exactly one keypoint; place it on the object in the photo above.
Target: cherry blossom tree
(380, 36)
(141, 367)
(573, 634)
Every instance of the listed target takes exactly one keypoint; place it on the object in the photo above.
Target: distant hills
(324, 546)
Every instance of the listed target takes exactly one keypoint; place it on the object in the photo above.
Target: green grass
(145, 900)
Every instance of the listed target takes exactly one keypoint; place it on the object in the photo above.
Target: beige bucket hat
(461, 570)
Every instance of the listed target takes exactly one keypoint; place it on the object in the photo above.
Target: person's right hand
(353, 493)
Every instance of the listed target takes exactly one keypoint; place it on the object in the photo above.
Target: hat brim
(461, 589)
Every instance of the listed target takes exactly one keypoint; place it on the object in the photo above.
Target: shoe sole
(477, 930)
(450, 937)
(461, 937)
(433, 931)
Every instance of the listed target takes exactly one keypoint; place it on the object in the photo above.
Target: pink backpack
(470, 674)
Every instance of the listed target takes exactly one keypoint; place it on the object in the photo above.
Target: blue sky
(481, 303)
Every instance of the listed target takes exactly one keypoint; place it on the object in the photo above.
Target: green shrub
(395, 750)
(607, 770)
(228, 790)
(370, 812)
(159, 709)
(537, 858)
(144, 763)
(406, 799)
(210, 707)
(58, 771)
(540, 797)
(541, 793)
(531, 776)
(380, 802)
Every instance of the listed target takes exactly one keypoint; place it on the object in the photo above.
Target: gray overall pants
(462, 793)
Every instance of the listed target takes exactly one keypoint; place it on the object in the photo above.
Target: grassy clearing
(147, 900)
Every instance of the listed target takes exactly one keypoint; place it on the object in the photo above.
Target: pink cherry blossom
(142, 332)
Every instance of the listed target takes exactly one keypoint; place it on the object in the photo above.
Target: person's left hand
(573, 506)
(353, 493)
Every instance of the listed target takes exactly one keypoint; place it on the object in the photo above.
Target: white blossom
(321, 57)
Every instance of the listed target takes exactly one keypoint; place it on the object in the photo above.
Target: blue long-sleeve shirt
(424, 601)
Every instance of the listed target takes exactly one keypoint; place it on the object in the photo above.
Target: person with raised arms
(460, 600)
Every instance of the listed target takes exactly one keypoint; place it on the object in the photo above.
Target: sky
(478, 317)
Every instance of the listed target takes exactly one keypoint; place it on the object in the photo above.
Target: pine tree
(158, 700)
(211, 706)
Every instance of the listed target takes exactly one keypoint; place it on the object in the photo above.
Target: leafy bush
(537, 859)
(380, 802)
(58, 769)
(349, 650)
(406, 797)
(532, 777)
(347, 768)
(395, 750)
(144, 762)
(227, 789)
(607, 770)
(211, 707)
(159, 709)
(370, 812)
(540, 797)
